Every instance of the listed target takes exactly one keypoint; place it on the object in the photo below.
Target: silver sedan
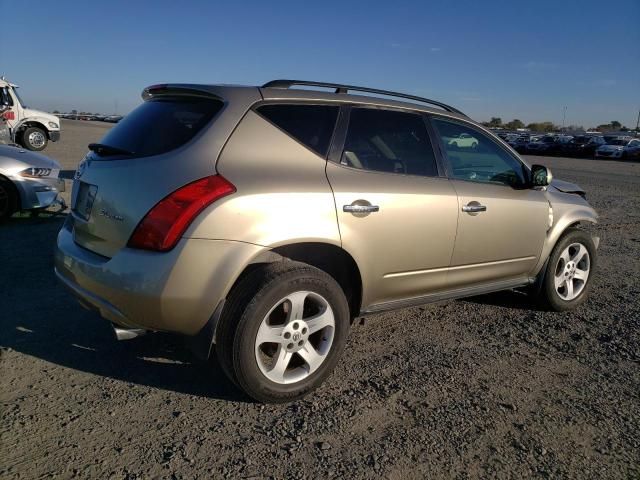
(28, 181)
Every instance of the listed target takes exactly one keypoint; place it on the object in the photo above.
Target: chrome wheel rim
(295, 337)
(36, 139)
(572, 271)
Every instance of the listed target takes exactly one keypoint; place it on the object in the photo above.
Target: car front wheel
(569, 272)
(282, 331)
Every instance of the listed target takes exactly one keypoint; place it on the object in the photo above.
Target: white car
(464, 140)
(30, 128)
(617, 148)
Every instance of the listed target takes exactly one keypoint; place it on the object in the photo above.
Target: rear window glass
(161, 124)
(311, 125)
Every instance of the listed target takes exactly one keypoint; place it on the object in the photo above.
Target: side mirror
(540, 176)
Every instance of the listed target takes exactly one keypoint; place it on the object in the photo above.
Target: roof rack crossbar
(342, 89)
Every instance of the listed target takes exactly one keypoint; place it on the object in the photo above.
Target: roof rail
(345, 89)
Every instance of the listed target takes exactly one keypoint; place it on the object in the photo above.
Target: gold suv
(260, 221)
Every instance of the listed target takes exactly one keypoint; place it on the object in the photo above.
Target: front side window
(311, 125)
(480, 160)
(388, 141)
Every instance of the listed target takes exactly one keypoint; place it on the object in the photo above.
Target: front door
(397, 215)
(502, 221)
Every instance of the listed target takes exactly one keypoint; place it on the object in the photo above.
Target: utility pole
(564, 116)
(638, 122)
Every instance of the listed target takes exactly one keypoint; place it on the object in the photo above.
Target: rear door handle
(474, 208)
(360, 208)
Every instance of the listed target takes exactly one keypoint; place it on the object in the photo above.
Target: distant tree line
(496, 122)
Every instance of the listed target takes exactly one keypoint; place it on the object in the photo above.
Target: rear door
(502, 222)
(397, 215)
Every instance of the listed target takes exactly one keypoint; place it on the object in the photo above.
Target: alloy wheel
(295, 337)
(572, 271)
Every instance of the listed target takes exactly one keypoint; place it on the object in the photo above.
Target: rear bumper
(176, 291)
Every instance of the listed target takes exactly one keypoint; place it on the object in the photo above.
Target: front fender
(568, 209)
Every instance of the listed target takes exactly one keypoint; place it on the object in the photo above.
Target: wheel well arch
(15, 190)
(32, 123)
(329, 258)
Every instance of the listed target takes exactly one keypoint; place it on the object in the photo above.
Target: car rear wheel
(34, 138)
(8, 199)
(282, 331)
(569, 272)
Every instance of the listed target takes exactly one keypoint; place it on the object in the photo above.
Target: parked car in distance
(546, 145)
(282, 214)
(582, 146)
(632, 150)
(31, 128)
(519, 143)
(28, 181)
(618, 148)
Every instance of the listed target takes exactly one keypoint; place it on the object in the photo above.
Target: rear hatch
(159, 147)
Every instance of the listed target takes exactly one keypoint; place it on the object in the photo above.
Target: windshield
(580, 140)
(15, 92)
(617, 141)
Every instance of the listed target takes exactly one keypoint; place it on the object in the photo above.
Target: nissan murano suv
(260, 221)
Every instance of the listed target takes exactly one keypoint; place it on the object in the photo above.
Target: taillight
(165, 223)
(9, 115)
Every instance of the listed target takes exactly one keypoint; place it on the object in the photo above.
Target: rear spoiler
(176, 89)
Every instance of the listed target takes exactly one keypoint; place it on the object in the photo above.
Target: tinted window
(311, 125)
(479, 159)
(161, 124)
(388, 141)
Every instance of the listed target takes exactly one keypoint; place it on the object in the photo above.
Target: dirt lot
(486, 387)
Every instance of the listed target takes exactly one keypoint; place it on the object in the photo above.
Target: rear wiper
(102, 149)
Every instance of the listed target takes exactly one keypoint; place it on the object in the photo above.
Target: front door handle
(474, 207)
(360, 208)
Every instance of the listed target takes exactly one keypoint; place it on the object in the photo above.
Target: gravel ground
(485, 387)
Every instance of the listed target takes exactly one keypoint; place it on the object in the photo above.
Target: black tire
(8, 199)
(34, 139)
(548, 297)
(248, 304)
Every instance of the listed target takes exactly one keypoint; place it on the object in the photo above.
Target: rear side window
(311, 125)
(389, 141)
(161, 124)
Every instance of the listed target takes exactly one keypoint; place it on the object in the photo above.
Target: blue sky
(488, 58)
